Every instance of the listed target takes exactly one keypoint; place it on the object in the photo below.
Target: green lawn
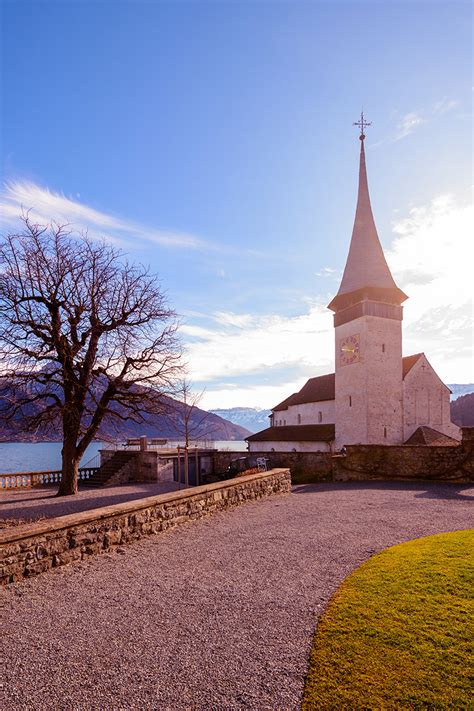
(398, 632)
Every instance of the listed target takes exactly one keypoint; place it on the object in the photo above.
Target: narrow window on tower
(383, 347)
(320, 416)
(385, 432)
(350, 400)
(299, 419)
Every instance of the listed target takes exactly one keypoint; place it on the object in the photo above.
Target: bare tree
(188, 425)
(189, 421)
(83, 335)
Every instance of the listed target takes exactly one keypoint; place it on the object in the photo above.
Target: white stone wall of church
(309, 414)
(289, 446)
(369, 392)
(426, 401)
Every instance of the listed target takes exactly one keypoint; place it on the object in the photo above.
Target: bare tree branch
(81, 329)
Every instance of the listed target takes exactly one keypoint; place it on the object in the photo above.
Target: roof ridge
(315, 433)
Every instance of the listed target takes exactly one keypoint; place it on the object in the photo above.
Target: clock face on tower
(349, 350)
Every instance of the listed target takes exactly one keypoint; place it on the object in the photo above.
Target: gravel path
(41, 502)
(217, 614)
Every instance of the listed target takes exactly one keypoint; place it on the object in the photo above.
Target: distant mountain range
(460, 389)
(252, 418)
(256, 419)
(233, 423)
(169, 424)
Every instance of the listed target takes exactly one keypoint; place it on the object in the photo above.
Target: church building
(376, 396)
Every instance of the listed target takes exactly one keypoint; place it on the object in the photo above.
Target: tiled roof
(315, 390)
(409, 361)
(427, 435)
(295, 433)
(324, 386)
(283, 405)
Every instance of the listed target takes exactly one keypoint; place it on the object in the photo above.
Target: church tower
(368, 335)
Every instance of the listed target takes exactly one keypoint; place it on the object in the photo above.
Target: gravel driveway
(216, 614)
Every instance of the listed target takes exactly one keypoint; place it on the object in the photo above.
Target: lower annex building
(375, 395)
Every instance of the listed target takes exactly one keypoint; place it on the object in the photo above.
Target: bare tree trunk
(179, 468)
(70, 467)
(186, 467)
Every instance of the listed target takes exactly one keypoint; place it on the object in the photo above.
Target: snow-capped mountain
(252, 418)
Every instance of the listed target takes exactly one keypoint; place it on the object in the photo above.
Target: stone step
(109, 469)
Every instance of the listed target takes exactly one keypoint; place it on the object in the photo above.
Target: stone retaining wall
(304, 466)
(405, 463)
(372, 461)
(146, 466)
(30, 549)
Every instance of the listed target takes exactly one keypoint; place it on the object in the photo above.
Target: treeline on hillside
(462, 410)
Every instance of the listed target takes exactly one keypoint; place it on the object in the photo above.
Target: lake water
(41, 456)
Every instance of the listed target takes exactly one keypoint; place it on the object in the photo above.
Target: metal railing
(28, 480)
(169, 444)
(92, 463)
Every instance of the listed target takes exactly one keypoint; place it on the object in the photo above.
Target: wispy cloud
(409, 123)
(47, 205)
(237, 355)
(431, 261)
(230, 319)
(327, 272)
(247, 344)
(445, 105)
(413, 120)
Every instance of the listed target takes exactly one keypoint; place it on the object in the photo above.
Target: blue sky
(215, 142)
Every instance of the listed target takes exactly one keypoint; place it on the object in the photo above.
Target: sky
(214, 141)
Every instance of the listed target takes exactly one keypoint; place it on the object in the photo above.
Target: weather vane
(362, 124)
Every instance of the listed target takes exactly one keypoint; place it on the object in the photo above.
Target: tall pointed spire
(366, 273)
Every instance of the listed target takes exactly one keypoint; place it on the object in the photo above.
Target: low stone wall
(30, 549)
(371, 461)
(405, 462)
(304, 466)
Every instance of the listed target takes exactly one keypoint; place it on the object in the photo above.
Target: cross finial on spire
(362, 124)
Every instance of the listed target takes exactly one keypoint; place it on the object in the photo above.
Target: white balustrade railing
(28, 480)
